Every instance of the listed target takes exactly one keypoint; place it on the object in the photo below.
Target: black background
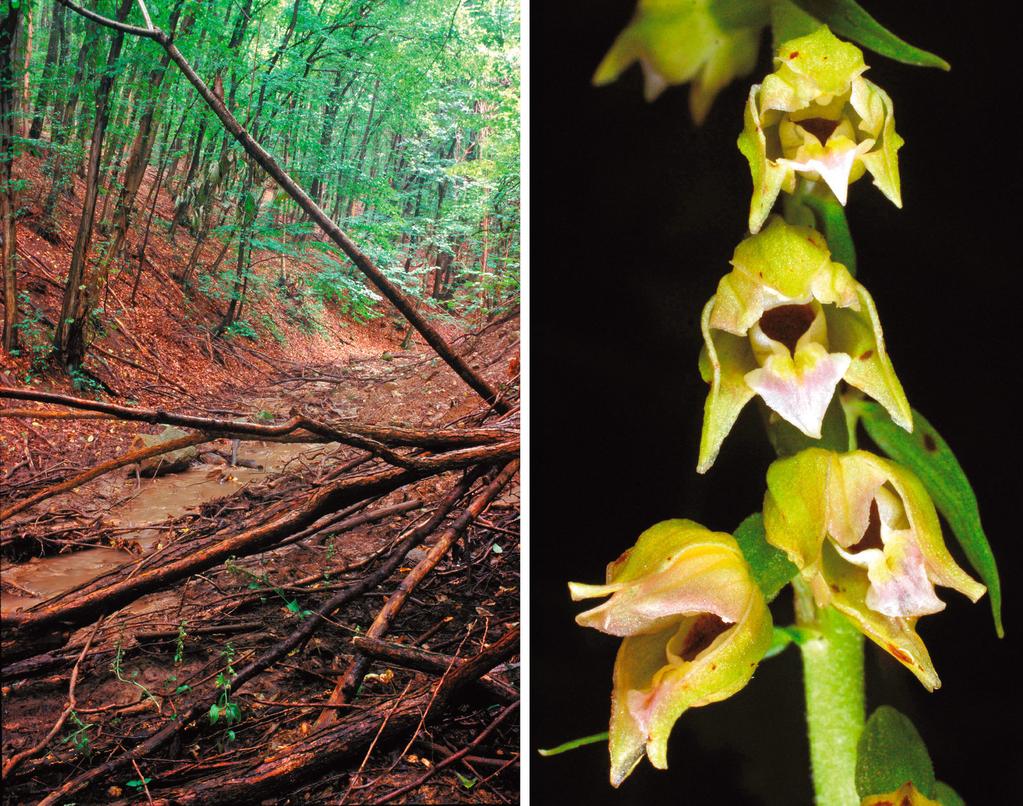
(635, 213)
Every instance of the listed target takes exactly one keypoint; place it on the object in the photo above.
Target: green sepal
(928, 455)
(891, 753)
(770, 567)
(848, 18)
(946, 795)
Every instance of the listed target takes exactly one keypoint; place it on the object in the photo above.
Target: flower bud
(817, 116)
(865, 536)
(707, 42)
(788, 324)
(694, 624)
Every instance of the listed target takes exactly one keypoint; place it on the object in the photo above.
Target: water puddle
(141, 516)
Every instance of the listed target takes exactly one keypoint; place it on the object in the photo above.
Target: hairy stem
(833, 680)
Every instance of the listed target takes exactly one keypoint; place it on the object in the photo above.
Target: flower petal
(800, 390)
(877, 112)
(858, 334)
(724, 362)
(848, 587)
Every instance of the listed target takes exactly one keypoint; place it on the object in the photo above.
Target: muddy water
(158, 499)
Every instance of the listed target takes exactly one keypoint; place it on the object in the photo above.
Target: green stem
(833, 680)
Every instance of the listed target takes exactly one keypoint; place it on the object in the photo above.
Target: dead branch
(424, 661)
(104, 467)
(349, 682)
(447, 762)
(297, 638)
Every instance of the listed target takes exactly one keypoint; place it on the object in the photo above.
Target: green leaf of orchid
(890, 753)
(573, 744)
(930, 458)
(848, 18)
(770, 568)
(946, 795)
(832, 221)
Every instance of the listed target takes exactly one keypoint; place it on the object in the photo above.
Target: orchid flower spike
(706, 42)
(865, 536)
(817, 116)
(788, 324)
(695, 626)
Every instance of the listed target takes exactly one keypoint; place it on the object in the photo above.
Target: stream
(158, 500)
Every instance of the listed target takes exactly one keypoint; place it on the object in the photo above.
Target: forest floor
(124, 674)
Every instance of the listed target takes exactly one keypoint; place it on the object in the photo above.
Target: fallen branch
(359, 435)
(424, 661)
(447, 762)
(298, 637)
(104, 467)
(348, 683)
(327, 749)
(251, 541)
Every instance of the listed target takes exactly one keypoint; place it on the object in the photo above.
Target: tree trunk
(53, 50)
(8, 201)
(59, 166)
(70, 338)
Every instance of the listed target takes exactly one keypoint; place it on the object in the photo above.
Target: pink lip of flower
(787, 324)
(818, 117)
(694, 626)
(864, 534)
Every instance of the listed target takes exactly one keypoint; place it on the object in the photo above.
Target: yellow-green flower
(865, 536)
(695, 626)
(817, 116)
(707, 42)
(788, 324)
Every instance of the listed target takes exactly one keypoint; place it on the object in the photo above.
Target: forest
(259, 418)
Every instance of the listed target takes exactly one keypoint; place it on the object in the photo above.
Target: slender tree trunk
(53, 48)
(70, 338)
(59, 166)
(8, 201)
(140, 150)
(361, 157)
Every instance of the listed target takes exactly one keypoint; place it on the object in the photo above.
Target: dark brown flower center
(701, 635)
(787, 323)
(821, 128)
(872, 536)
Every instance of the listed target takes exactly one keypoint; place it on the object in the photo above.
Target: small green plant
(231, 711)
(82, 381)
(179, 647)
(242, 328)
(79, 737)
(33, 338)
(118, 670)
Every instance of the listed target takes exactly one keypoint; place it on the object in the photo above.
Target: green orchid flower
(787, 324)
(865, 536)
(817, 116)
(695, 626)
(707, 42)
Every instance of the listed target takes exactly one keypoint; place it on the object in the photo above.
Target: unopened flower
(905, 795)
(788, 324)
(695, 626)
(708, 43)
(817, 116)
(864, 533)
